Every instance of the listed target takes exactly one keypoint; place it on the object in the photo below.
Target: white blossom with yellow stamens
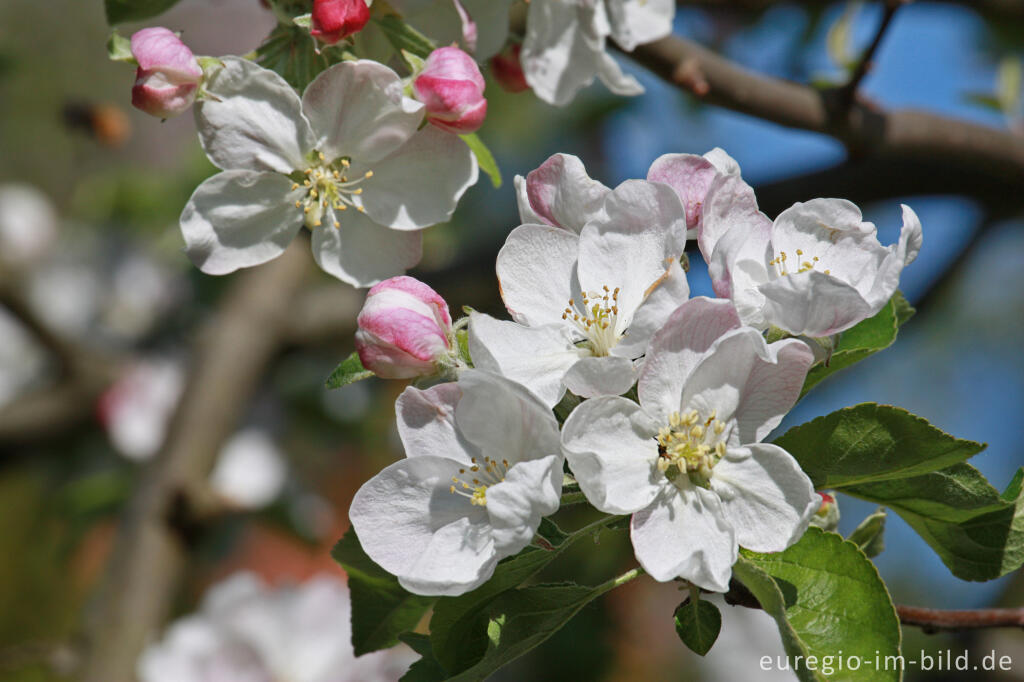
(483, 465)
(347, 160)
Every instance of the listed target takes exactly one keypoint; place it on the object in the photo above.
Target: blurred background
(102, 319)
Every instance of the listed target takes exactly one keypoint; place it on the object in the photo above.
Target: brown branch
(848, 92)
(151, 550)
(934, 620)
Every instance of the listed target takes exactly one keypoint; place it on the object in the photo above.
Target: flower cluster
(669, 399)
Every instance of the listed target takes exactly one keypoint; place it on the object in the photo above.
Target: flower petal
(409, 523)
(536, 273)
(765, 495)
(253, 121)
(636, 22)
(730, 208)
(683, 533)
(662, 299)
(536, 357)
(562, 49)
(594, 376)
(237, 219)
(691, 176)
(420, 183)
(901, 254)
(426, 423)
(615, 79)
(560, 193)
(812, 304)
(361, 252)
(515, 506)
(610, 444)
(677, 348)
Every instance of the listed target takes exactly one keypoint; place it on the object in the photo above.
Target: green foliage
(825, 597)
(381, 609)
(427, 669)
(698, 623)
(869, 535)
(484, 158)
(121, 11)
(292, 52)
(119, 48)
(348, 372)
(404, 37)
(864, 339)
(871, 442)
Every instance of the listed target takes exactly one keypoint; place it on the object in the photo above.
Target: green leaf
(978, 533)
(348, 372)
(290, 51)
(483, 157)
(1008, 84)
(381, 609)
(871, 442)
(985, 100)
(303, 21)
(427, 669)
(863, 340)
(121, 11)
(119, 48)
(402, 36)
(825, 596)
(698, 623)
(869, 534)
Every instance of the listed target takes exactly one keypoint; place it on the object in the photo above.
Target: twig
(848, 92)
(934, 620)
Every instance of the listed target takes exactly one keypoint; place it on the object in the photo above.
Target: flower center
(691, 446)
(802, 263)
(476, 479)
(597, 319)
(328, 185)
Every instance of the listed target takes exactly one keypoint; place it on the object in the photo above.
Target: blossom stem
(620, 580)
(569, 499)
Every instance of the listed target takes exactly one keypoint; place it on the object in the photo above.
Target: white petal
(526, 213)
(559, 192)
(765, 496)
(900, 254)
(662, 299)
(410, 524)
(730, 207)
(361, 252)
(420, 183)
(636, 22)
(536, 357)
(725, 164)
(257, 124)
(536, 273)
(594, 376)
(615, 79)
(503, 419)
(426, 423)
(813, 304)
(742, 378)
(515, 506)
(561, 51)
(610, 444)
(358, 110)
(677, 348)
(684, 534)
(237, 219)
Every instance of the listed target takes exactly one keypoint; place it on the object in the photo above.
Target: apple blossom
(692, 177)
(585, 306)
(334, 20)
(248, 631)
(405, 330)
(452, 91)
(507, 69)
(816, 271)
(346, 160)
(687, 461)
(482, 467)
(560, 193)
(564, 48)
(168, 73)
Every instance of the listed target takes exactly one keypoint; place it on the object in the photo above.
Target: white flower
(565, 41)
(482, 466)
(687, 462)
(585, 306)
(346, 160)
(247, 631)
(560, 193)
(816, 271)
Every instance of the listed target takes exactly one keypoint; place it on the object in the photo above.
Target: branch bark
(933, 620)
(152, 546)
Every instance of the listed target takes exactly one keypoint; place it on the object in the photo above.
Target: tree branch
(152, 547)
(848, 92)
(934, 620)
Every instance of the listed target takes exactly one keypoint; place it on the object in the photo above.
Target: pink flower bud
(404, 329)
(508, 70)
(168, 73)
(337, 19)
(452, 89)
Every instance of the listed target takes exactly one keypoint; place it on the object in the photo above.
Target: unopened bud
(827, 516)
(452, 89)
(334, 20)
(405, 329)
(168, 73)
(508, 70)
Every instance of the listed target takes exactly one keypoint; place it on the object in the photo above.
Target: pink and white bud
(334, 20)
(452, 88)
(508, 70)
(404, 330)
(168, 73)
(827, 516)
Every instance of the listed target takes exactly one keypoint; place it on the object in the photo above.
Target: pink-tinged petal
(765, 495)
(813, 304)
(684, 534)
(677, 348)
(416, 291)
(594, 376)
(334, 20)
(400, 343)
(610, 444)
(426, 423)
(451, 88)
(690, 176)
(563, 195)
(507, 69)
(536, 273)
(469, 32)
(730, 206)
(153, 95)
(159, 49)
